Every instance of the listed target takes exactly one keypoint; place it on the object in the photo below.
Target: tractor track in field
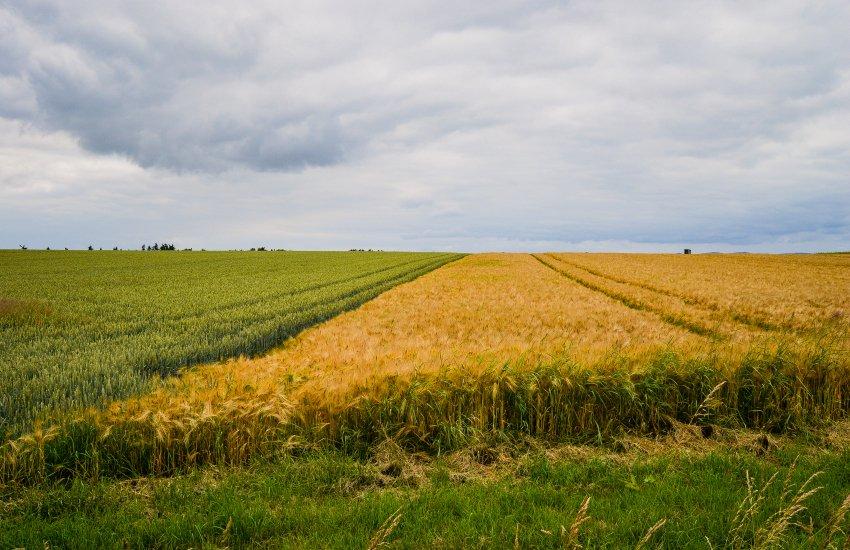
(631, 303)
(687, 299)
(754, 323)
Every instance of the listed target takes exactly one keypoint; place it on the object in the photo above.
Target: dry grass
(13, 310)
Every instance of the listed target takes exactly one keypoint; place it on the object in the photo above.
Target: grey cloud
(167, 86)
(444, 123)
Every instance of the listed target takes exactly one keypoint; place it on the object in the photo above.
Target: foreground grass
(330, 500)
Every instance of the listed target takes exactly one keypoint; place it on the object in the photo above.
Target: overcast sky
(492, 125)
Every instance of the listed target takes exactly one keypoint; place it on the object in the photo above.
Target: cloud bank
(426, 125)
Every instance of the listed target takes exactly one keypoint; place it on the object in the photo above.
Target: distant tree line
(157, 246)
(171, 246)
(90, 247)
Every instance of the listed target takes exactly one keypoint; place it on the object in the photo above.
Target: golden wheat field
(553, 345)
(485, 309)
(500, 308)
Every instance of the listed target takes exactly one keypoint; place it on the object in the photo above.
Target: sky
(470, 126)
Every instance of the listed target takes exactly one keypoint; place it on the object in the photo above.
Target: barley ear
(379, 539)
(652, 530)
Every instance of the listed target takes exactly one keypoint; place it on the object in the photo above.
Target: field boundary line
(697, 302)
(304, 289)
(250, 336)
(339, 303)
(637, 305)
(347, 294)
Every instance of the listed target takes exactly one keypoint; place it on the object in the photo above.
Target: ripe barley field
(485, 355)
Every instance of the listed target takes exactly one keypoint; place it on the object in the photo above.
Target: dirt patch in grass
(18, 311)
